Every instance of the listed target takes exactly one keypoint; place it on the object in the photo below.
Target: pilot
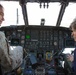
(70, 57)
(10, 57)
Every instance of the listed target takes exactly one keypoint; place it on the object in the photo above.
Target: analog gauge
(55, 43)
(22, 41)
(22, 37)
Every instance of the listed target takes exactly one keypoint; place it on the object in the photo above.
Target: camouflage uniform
(10, 57)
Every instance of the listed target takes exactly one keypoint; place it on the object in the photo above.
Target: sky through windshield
(35, 14)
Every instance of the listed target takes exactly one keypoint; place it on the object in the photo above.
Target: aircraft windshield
(13, 14)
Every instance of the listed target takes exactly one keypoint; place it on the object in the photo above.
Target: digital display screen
(27, 36)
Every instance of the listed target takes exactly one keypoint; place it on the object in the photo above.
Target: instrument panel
(42, 43)
(43, 38)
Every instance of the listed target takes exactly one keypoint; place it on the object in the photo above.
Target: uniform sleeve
(5, 60)
(16, 55)
(10, 57)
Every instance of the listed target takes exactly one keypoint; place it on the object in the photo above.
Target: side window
(12, 14)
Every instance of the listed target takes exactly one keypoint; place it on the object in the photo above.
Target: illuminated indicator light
(27, 36)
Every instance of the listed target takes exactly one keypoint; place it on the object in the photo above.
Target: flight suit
(10, 57)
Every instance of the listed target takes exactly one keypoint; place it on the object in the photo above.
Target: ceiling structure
(42, 0)
(64, 4)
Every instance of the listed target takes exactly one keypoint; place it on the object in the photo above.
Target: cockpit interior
(45, 37)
